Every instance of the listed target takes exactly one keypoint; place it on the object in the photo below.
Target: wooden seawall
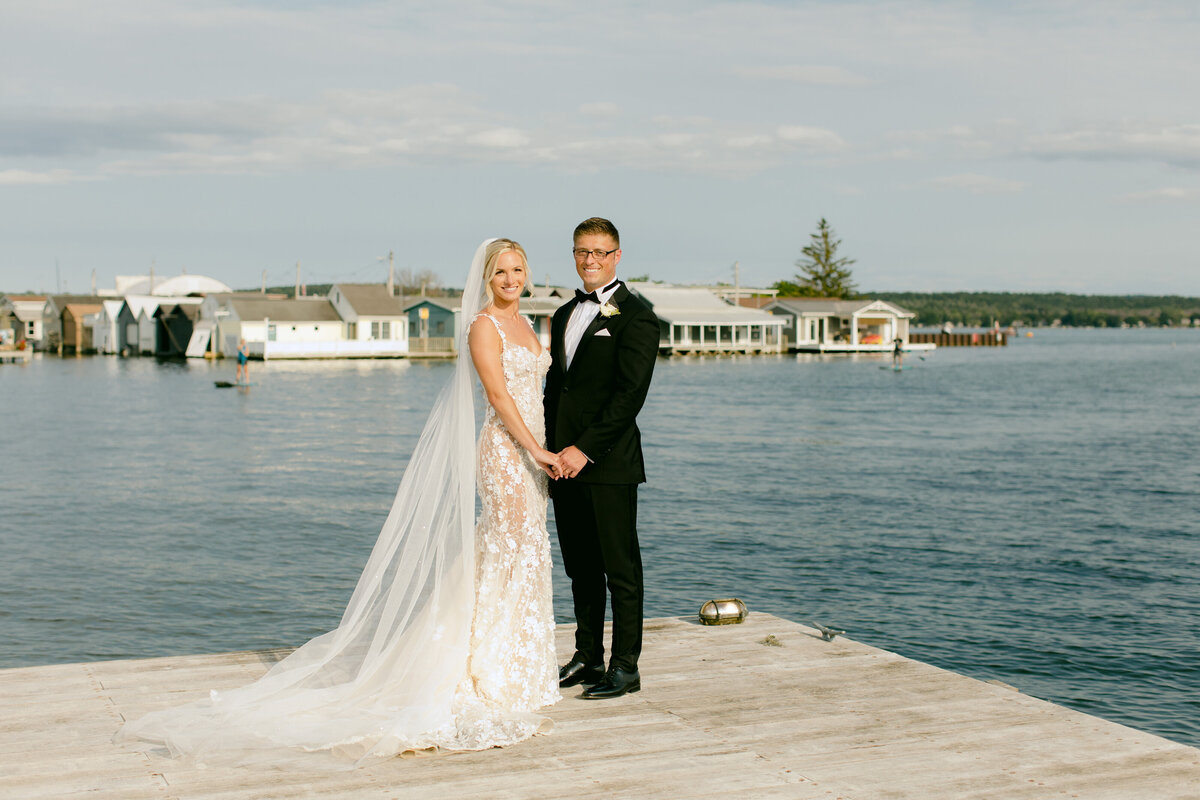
(765, 709)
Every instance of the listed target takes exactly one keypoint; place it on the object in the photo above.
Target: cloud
(354, 128)
(978, 184)
(815, 138)
(809, 74)
(21, 177)
(1165, 194)
(504, 138)
(1177, 145)
(599, 109)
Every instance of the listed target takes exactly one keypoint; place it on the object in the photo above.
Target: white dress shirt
(581, 318)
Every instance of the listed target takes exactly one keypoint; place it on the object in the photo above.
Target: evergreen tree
(822, 273)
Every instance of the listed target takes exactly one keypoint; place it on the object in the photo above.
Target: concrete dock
(765, 709)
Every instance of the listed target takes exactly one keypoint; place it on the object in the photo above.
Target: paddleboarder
(243, 368)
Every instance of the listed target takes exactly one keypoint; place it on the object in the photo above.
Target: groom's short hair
(598, 225)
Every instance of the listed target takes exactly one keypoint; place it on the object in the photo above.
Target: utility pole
(737, 284)
(296, 294)
(391, 273)
(152, 276)
(264, 282)
(93, 283)
(57, 276)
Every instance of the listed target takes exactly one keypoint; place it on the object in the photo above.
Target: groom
(604, 343)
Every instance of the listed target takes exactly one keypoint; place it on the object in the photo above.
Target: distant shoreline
(1046, 310)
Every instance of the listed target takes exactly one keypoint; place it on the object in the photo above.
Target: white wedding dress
(512, 664)
(448, 638)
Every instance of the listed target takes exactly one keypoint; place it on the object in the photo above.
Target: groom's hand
(572, 460)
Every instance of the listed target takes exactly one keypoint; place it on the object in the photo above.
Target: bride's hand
(550, 462)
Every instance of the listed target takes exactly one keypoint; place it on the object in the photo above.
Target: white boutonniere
(609, 310)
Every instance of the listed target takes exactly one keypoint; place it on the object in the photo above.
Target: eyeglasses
(599, 255)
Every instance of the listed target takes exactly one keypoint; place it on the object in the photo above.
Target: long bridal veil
(384, 681)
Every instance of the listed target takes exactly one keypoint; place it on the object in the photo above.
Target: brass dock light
(723, 612)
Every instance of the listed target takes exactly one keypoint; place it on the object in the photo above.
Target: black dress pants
(597, 532)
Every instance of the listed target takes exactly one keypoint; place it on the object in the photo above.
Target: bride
(448, 638)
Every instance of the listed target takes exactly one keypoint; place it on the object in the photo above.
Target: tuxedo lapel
(599, 322)
(558, 348)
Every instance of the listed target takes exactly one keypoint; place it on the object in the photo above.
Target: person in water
(897, 353)
(243, 357)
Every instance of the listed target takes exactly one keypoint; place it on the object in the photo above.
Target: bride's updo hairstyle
(494, 249)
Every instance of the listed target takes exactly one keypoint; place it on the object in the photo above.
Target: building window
(385, 329)
(374, 330)
(30, 330)
(351, 330)
(270, 333)
(441, 326)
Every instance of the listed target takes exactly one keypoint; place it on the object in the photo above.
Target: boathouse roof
(24, 307)
(149, 303)
(543, 306)
(303, 310)
(546, 291)
(829, 306)
(371, 299)
(57, 302)
(448, 303)
(691, 305)
(80, 310)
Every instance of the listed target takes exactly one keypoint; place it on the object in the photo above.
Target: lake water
(1029, 514)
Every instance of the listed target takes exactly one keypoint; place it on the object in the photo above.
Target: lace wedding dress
(448, 638)
(512, 664)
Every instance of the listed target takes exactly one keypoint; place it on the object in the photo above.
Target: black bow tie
(591, 296)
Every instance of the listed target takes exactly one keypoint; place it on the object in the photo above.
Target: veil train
(384, 681)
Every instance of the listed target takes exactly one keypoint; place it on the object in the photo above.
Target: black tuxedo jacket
(594, 404)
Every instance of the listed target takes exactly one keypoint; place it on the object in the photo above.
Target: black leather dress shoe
(616, 682)
(576, 671)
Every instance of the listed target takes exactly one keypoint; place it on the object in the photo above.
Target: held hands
(566, 464)
(571, 461)
(550, 463)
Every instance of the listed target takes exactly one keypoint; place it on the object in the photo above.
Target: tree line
(984, 309)
(823, 273)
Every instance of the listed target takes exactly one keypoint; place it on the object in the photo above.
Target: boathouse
(433, 324)
(830, 325)
(137, 326)
(76, 335)
(52, 312)
(540, 312)
(105, 327)
(694, 320)
(174, 323)
(374, 318)
(22, 314)
(307, 327)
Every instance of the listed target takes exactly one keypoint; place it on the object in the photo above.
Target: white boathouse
(830, 325)
(105, 330)
(22, 313)
(375, 322)
(272, 328)
(694, 320)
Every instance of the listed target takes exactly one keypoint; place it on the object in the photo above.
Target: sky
(952, 146)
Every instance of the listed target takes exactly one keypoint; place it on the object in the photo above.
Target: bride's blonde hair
(494, 249)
